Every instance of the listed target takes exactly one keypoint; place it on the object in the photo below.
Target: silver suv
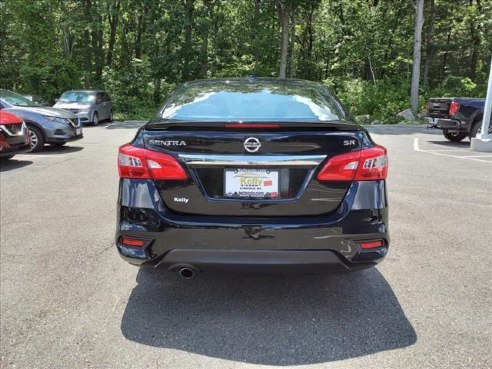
(91, 106)
(46, 125)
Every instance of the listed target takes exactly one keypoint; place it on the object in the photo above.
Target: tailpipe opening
(186, 273)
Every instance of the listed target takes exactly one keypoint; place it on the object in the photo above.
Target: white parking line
(416, 148)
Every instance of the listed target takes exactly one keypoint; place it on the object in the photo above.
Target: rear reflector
(132, 242)
(371, 244)
(135, 162)
(364, 165)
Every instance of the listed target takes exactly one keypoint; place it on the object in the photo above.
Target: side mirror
(56, 100)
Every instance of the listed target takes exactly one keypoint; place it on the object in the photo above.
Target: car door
(109, 103)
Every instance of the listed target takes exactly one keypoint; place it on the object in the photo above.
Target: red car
(14, 135)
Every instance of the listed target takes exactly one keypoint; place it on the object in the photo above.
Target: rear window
(251, 101)
(78, 97)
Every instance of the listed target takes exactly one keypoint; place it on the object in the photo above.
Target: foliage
(458, 86)
(139, 49)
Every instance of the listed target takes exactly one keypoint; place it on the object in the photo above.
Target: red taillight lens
(132, 242)
(371, 244)
(364, 165)
(135, 162)
(453, 108)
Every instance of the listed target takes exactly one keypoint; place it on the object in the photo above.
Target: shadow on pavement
(269, 320)
(465, 144)
(56, 150)
(14, 163)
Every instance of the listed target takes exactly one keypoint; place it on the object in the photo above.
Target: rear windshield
(251, 101)
(78, 96)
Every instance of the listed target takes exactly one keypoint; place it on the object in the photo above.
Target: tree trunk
(208, 10)
(283, 10)
(419, 22)
(429, 46)
(446, 52)
(292, 66)
(113, 20)
(187, 46)
(255, 35)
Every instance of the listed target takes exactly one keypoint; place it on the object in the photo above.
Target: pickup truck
(458, 117)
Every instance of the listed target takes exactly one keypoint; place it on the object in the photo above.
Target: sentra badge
(167, 143)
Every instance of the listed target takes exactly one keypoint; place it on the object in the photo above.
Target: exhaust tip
(186, 273)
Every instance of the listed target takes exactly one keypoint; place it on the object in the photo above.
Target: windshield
(78, 97)
(15, 99)
(251, 101)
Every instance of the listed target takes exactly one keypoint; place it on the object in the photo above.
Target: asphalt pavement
(69, 301)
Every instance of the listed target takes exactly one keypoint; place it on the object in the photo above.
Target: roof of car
(253, 79)
(84, 91)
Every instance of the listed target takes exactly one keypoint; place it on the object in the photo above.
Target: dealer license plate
(251, 183)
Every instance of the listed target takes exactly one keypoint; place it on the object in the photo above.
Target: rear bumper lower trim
(258, 260)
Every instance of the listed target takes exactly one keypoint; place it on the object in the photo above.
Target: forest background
(138, 50)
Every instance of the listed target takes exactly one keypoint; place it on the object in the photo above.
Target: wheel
(37, 139)
(477, 128)
(454, 136)
(58, 144)
(95, 119)
(111, 115)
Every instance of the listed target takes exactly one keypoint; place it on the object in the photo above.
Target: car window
(77, 97)
(105, 96)
(15, 99)
(99, 98)
(259, 101)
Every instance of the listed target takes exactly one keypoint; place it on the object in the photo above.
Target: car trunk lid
(251, 172)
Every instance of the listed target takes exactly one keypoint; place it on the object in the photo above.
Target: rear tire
(95, 119)
(37, 139)
(477, 128)
(454, 136)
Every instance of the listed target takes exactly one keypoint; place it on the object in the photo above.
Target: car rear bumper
(65, 138)
(331, 242)
(447, 124)
(258, 260)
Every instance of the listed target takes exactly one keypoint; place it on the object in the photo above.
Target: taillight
(364, 165)
(453, 108)
(135, 162)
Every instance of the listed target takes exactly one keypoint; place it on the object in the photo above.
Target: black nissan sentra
(258, 173)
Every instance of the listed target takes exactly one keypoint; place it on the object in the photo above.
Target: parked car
(457, 117)
(14, 135)
(46, 125)
(261, 173)
(91, 106)
(37, 99)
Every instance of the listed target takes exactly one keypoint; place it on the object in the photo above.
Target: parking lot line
(474, 157)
